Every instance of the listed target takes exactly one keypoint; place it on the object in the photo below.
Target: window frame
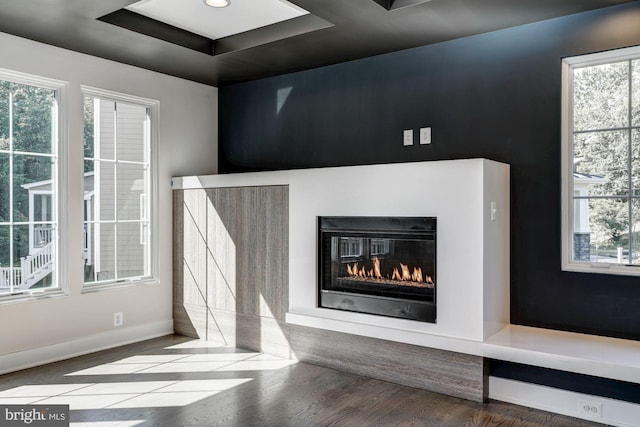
(153, 107)
(60, 176)
(567, 220)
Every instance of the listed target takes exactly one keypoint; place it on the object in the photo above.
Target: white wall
(187, 145)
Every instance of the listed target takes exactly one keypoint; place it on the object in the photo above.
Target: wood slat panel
(445, 372)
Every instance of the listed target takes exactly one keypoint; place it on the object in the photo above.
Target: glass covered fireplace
(378, 265)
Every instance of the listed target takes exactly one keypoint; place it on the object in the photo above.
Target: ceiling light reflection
(217, 3)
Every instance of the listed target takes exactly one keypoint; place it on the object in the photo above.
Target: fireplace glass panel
(376, 265)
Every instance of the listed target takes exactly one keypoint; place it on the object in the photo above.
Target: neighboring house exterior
(581, 228)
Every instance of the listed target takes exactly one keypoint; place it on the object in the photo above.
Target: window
(601, 162)
(29, 183)
(118, 228)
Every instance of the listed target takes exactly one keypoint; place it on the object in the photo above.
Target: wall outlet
(118, 319)
(589, 409)
(407, 137)
(425, 136)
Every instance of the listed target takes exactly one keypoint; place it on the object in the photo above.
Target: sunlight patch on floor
(175, 384)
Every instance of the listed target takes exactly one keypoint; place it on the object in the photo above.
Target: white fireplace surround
(472, 260)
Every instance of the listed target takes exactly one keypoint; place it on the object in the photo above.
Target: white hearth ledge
(605, 357)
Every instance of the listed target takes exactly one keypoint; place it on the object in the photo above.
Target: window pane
(35, 262)
(601, 163)
(27, 187)
(5, 184)
(4, 115)
(104, 251)
(116, 134)
(601, 96)
(131, 133)
(5, 259)
(32, 118)
(105, 188)
(635, 236)
(131, 254)
(131, 187)
(608, 230)
(635, 166)
(88, 127)
(105, 135)
(35, 172)
(635, 95)
(6, 272)
(89, 252)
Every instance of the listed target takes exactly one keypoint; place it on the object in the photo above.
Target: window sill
(32, 296)
(602, 268)
(86, 289)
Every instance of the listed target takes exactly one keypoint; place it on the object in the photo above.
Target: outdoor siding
(121, 135)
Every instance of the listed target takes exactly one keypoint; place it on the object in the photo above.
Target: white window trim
(61, 264)
(568, 64)
(154, 114)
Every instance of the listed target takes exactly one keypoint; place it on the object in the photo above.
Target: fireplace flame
(402, 273)
(376, 268)
(352, 271)
(405, 272)
(417, 275)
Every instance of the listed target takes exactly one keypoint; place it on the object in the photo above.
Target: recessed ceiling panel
(215, 23)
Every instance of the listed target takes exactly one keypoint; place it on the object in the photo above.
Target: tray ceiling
(252, 39)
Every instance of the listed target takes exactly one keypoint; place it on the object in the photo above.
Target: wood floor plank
(191, 383)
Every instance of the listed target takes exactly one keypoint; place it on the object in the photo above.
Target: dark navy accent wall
(494, 95)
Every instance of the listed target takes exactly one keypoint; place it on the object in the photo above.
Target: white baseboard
(53, 353)
(608, 411)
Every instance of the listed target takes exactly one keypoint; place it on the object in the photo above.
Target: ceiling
(333, 31)
(215, 23)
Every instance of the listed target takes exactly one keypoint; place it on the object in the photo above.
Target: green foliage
(88, 128)
(603, 146)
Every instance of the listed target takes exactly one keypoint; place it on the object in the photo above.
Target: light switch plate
(425, 136)
(407, 137)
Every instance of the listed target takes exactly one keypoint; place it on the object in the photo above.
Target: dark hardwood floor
(177, 381)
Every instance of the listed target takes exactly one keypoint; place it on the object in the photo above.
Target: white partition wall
(472, 249)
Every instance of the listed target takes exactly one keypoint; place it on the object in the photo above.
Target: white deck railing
(35, 262)
(10, 275)
(32, 268)
(42, 235)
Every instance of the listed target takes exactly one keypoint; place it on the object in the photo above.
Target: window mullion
(11, 237)
(115, 191)
(630, 161)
